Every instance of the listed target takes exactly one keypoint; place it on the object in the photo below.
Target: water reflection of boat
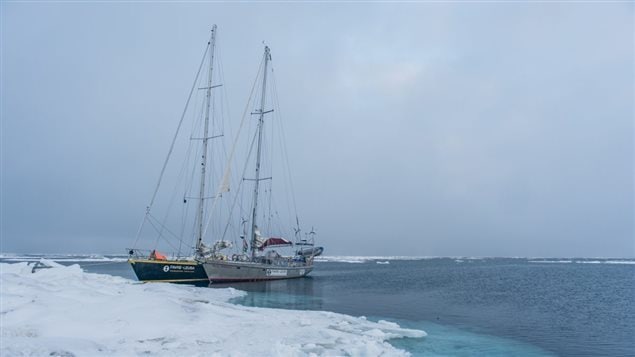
(297, 294)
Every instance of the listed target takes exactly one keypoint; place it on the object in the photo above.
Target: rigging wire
(163, 228)
(178, 128)
(170, 204)
(240, 185)
(180, 178)
(190, 157)
(282, 138)
(225, 109)
(192, 160)
(228, 166)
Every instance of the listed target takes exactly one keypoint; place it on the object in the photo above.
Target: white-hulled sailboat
(258, 261)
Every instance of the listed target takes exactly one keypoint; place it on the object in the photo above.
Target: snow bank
(63, 311)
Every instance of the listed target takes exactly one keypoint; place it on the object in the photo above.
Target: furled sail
(224, 185)
(258, 239)
(221, 244)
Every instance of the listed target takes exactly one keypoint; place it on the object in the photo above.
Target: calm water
(574, 309)
(487, 307)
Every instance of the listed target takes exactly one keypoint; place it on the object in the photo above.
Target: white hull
(235, 271)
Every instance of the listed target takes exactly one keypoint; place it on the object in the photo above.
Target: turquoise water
(451, 341)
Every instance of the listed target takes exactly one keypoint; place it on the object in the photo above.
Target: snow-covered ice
(64, 311)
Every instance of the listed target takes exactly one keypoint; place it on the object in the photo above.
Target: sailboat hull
(169, 271)
(231, 271)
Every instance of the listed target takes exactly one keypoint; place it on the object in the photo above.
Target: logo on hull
(276, 272)
(179, 268)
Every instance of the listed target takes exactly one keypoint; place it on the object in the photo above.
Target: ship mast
(205, 138)
(261, 113)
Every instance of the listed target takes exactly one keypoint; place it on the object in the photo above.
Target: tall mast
(261, 113)
(205, 138)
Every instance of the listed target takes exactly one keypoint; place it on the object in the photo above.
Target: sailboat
(152, 265)
(257, 260)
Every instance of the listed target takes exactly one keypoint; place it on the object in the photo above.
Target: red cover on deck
(273, 241)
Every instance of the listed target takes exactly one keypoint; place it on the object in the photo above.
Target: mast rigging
(205, 138)
(261, 112)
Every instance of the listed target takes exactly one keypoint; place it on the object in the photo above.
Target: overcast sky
(472, 129)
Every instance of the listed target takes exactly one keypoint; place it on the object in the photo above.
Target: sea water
(478, 306)
(492, 306)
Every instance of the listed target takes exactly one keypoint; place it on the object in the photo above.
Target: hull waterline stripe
(172, 280)
(162, 262)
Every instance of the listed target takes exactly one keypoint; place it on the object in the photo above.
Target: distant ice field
(381, 259)
(13, 257)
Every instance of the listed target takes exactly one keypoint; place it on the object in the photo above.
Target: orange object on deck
(157, 256)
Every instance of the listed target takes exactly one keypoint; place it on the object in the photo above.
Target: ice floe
(364, 259)
(604, 261)
(63, 311)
